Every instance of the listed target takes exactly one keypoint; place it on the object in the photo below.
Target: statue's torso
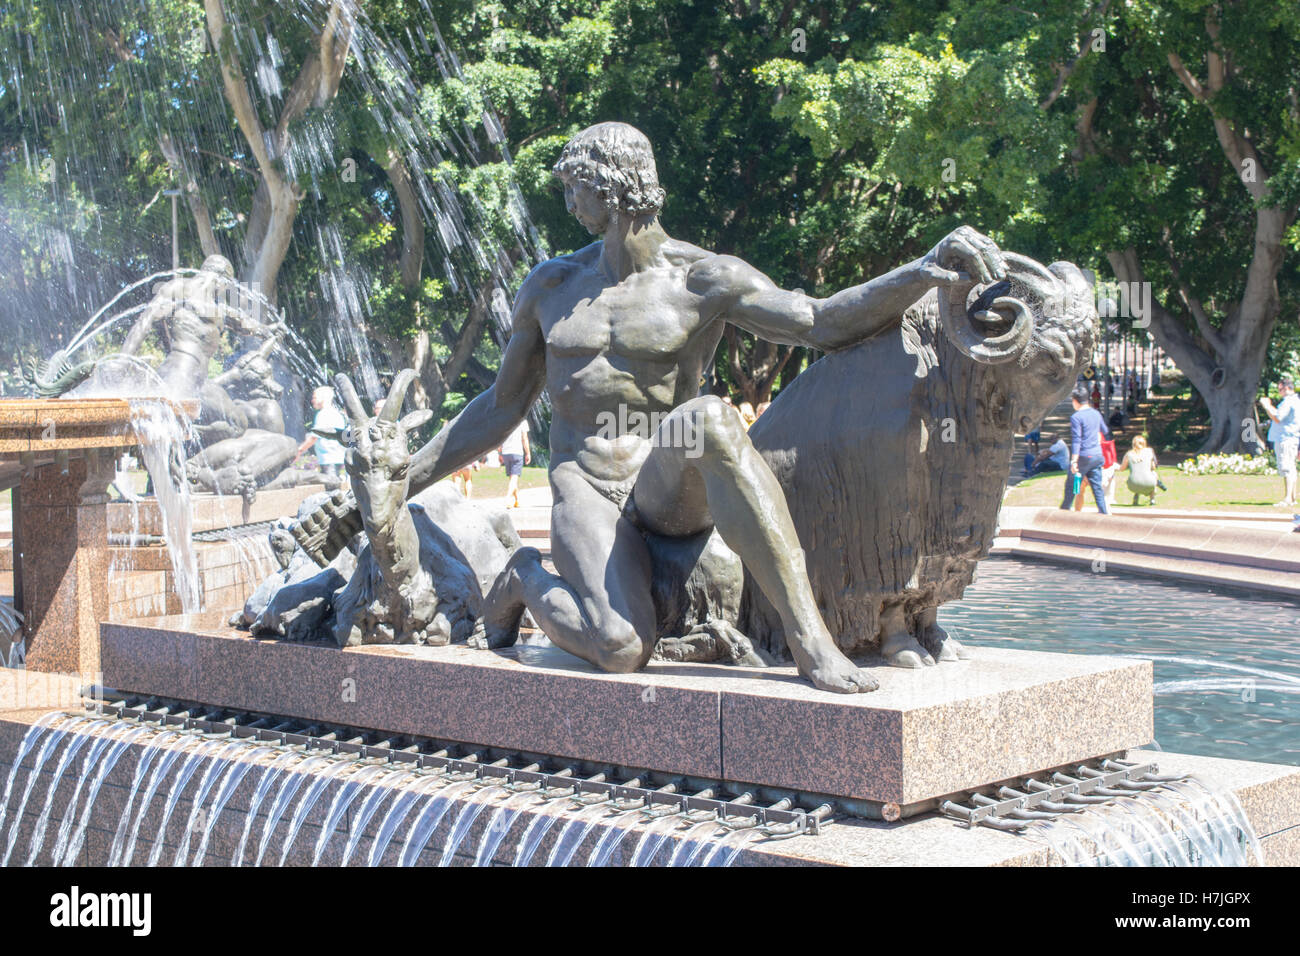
(195, 325)
(619, 356)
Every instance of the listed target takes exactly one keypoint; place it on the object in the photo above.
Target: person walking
(1109, 466)
(1284, 435)
(328, 421)
(464, 479)
(515, 453)
(1086, 428)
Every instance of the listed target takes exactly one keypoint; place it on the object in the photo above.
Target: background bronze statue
(239, 443)
(627, 324)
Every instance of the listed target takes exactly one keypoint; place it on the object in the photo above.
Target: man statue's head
(218, 264)
(616, 162)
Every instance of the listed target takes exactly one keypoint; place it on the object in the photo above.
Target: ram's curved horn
(392, 409)
(961, 327)
(981, 332)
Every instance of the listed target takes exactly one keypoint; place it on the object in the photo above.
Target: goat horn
(356, 411)
(392, 409)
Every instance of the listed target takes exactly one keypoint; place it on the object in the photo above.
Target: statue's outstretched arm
(162, 306)
(741, 294)
(489, 419)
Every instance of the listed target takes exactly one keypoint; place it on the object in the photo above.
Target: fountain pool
(1227, 661)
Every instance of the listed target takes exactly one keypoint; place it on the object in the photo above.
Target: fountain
(57, 456)
(741, 662)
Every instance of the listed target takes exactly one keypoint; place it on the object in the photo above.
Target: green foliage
(823, 143)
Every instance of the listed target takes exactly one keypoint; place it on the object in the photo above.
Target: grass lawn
(1194, 493)
(491, 482)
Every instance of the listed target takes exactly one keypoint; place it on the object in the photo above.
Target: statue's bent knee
(620, 649)
(716, 429)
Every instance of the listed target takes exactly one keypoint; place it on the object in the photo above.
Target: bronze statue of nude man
(629, 323)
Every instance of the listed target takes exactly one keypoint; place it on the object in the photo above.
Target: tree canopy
(383, 167)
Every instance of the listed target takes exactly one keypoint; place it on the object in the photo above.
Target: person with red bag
(1109, 468)
(1087, 428)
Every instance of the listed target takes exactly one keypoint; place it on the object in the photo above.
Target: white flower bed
(1229, 465)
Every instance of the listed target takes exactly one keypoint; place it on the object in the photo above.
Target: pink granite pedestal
(57, 456)
(61, 540)
(924, 735)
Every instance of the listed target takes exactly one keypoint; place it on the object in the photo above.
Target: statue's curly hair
(616, 160)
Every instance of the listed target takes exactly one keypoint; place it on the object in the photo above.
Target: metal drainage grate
(1086, 785)
(734, 810)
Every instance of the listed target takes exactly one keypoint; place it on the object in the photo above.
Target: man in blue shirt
(1086, 428)
(1284, 435)
(1054, 458)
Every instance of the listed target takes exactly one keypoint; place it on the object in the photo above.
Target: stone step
(1246, 554)
(1113, 559)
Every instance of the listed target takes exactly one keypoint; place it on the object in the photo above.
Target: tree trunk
(193, 198)
(755, 374)
(266, 259)
(1233, 423)
(275, 204)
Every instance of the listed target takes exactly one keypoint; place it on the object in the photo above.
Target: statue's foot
(478, 637)
(828, 669)
(900, 649)
(246, 488)
(739, 648)
(842, 677)
(503, 608)
(942, 645)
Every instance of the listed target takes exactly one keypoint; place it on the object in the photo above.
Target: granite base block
(922, 736)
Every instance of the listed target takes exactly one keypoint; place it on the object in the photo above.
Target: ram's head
(1036, 327)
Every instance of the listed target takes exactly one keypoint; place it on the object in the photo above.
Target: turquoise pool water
(1227, 662)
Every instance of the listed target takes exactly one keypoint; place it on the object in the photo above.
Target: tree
(277, 194)
(322, 200)
(1218, 332)
(1159, 139)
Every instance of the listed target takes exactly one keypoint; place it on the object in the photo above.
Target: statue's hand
(327, 530)
(965, 255)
